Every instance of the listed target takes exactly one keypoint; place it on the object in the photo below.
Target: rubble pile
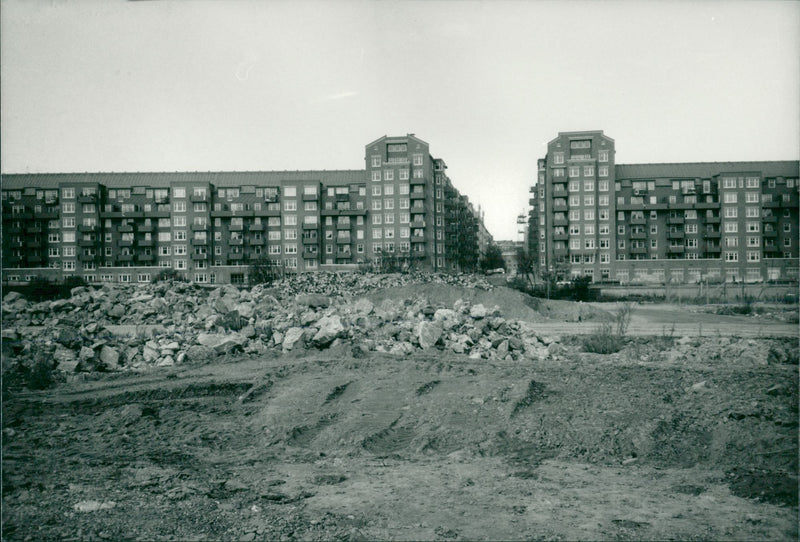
(123, 327)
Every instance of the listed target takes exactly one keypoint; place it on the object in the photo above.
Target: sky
(113, 85)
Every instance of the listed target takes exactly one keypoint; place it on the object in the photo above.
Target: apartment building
(209, 227)
(682, 222)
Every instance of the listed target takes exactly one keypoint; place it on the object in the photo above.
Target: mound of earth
(659, 441)
(513, 304)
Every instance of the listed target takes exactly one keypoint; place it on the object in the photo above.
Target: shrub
(603, 341)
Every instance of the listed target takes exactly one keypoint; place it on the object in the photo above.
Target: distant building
(402, 210)
(682, 222)
(510, 250)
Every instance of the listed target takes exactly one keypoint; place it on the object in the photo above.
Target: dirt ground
(685, 438)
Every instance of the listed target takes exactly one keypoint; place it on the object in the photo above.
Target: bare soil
(668, 439)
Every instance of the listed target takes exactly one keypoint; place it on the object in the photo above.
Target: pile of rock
(132, 327)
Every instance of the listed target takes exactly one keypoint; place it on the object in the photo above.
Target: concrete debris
(133, 327)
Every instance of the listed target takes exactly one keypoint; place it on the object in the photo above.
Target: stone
(66, 360)
(428, 334)
(330, 327)
(166, 361)
(93, 506)
(110, 358)
(9, 334)
(502, 349)
(364, 306)
(477, 311)
(86, 353)
(199, 352)
(11, 297)
(150, 354)
(516, 344)
(248, 331)
(245, 310)
(117, 311)
(293, 335)
(172, 345)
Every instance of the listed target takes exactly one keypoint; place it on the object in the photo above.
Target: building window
(574, 171)
(558, 158)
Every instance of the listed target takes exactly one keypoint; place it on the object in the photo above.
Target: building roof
(159, 179)
(706, 170)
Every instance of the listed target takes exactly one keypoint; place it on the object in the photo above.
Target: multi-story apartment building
(683, 222)
(209, 227)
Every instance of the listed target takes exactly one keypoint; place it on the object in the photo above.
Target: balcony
(417, 224)
(773, 233)
(712, 235)
(343, 240)
(417, 239)
(638, 250)
(33, 228)
(144, 257)
(560, 236)
(676, 249)
(199, 256)
(788, 204)
(46, 215)
(158, 214)
(638, 235)
(310, 197)
(267, 212)
(416, 181)
(83, 228)
(256, 227)
(126, 228)
(87, 198)
(714, 249)
(144, 242)
(125, 257)
(221, 214)
(235, 227)
(559, 221)
(676, 235)
(88, 242)
(257, 242)
(34, 258)
(235, 242)
(639, 220)
(199, 242)
(707, 205)
(126, 242)
(309, 253)
(310, 226)
(560, 252)
(199, 227)
(236, 256)
(770, 204)
(416, 195)
(772, 219)
(342, 225)
(144, 226)
(197, 198)
(675, 220)
(711, 219)
(310, 240)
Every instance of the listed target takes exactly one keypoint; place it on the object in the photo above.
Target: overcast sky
(273, 85)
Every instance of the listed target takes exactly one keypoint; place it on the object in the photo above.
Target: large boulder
(291, 338)
(199, 352)
(428, 334)
(477, 311)
(109, 357)
(330, 327)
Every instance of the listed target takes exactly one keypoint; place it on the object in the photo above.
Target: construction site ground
(690, 432)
